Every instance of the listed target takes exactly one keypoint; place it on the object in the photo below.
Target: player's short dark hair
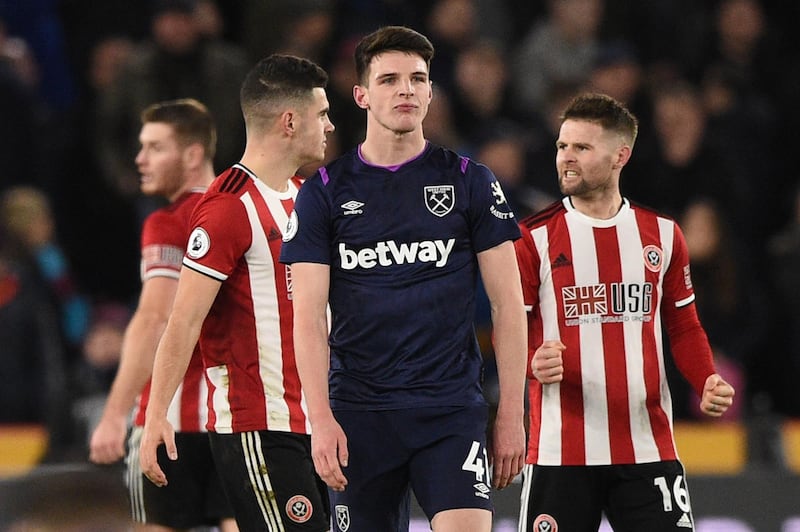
(604, 110)
(275, 81)
(190, 119)
(390, 39)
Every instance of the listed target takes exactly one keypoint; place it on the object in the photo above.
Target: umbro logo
(274, 234)
(481, 490)
(352, 207)
(561, 260)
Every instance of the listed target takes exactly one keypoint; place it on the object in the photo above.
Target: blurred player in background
(177, 140)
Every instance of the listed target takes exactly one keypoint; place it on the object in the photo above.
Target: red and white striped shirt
(599, 287)
(164, 236)
(246, 340)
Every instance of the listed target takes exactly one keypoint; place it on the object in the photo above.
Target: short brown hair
(276, 80)
(390, 39)
(604, 110)
(190, 119)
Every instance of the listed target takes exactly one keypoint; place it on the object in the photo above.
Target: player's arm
(694, 359)
(500, 274)
(687, 338)
(136, 366)
(195, 294)
(310, 286)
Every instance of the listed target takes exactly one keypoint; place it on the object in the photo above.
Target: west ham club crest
(440, 199)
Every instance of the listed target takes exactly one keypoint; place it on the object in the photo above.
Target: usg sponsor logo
(390, 253)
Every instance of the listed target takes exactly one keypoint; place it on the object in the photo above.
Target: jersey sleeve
(307, 238)
(528, 260)
(492, 219)
(163, 243)
(221, 235)
(687, 338)
(678, 290)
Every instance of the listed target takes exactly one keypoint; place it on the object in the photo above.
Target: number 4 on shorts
(475, 462)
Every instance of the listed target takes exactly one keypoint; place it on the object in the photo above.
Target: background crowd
(715, 86)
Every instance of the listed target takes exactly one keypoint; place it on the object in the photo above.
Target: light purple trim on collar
(464, 163)
(394, 167)
(323, 173)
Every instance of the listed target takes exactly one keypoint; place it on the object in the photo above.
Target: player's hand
(329, 452)
(156, 431)
(507, 453)
(717, 396)
(108, 440)
(547, 364)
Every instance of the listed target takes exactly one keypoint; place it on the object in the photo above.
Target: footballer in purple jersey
(392, 238)
(401, 243)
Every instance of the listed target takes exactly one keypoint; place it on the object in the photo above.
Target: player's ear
(288, 122)
(623, 156)
(361, 97)
(193, 155)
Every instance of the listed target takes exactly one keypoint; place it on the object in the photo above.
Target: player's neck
(200, 179)
(600, 208)
(386, 148)
(273, 168)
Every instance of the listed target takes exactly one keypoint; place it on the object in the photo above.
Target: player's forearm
(689, 344)
(312, 355)
(136, 363)
(171, 361)
(510, 346)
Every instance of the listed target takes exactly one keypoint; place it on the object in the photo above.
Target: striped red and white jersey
(599, 286)
(246, 339)
(164, 236)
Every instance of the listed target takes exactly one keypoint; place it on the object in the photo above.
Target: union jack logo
(584, 300)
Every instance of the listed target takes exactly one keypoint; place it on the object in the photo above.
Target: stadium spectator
(559, 48)
(176, 61)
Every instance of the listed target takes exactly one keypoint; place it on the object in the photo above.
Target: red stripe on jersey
(535, 414)
(190, 394)
(619, 424)
(212, 413)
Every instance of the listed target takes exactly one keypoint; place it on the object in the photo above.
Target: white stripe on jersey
(174, 409)
(218, 376)
(551, 394)
(595, 405)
